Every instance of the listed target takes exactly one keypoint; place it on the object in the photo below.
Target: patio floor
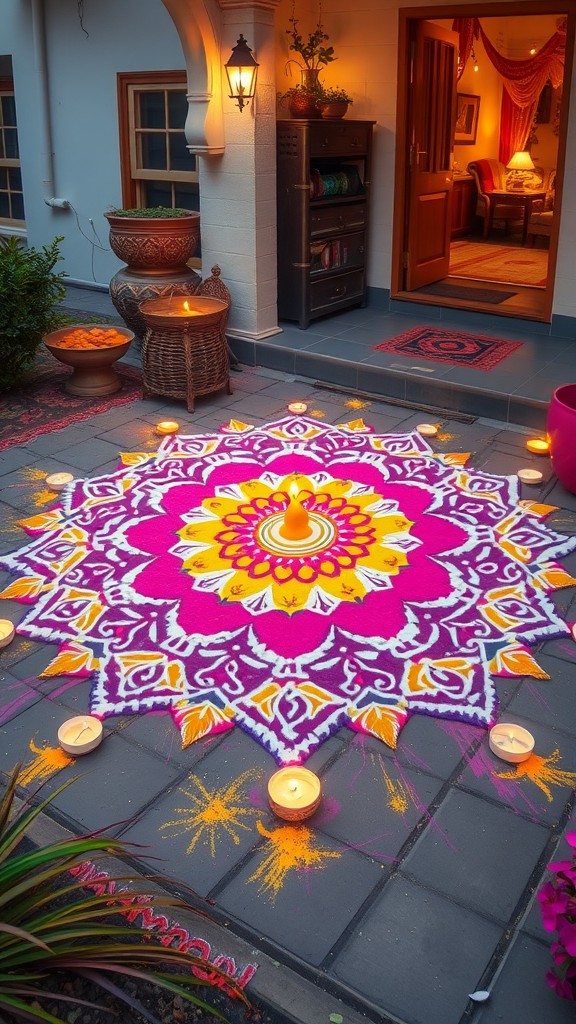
(428, 862)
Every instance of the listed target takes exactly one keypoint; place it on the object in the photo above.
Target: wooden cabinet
(323, 172)
(463, 206)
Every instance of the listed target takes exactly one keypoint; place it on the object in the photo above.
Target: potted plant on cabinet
(333, 101)
(156, 244)
(313, 55)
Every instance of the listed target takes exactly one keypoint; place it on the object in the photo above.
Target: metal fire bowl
(93, 371)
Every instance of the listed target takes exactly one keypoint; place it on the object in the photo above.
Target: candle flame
(186, 305)
(293, 490)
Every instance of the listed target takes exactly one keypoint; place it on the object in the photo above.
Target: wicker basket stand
(184, 351)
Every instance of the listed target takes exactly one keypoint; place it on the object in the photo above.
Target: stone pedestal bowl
(93, 368)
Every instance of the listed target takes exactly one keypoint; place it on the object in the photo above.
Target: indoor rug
(457, 290)
(481, 261)
(41, 404)
(406, 582)
(457, 348)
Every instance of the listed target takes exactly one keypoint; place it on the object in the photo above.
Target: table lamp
(519, 164)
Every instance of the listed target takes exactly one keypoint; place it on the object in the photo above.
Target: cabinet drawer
(332, 253)
(337, 218)
(340, 139)
(329, 291)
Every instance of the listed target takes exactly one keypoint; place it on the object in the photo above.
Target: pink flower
(567, 935)
(562, 987)
(552, 903)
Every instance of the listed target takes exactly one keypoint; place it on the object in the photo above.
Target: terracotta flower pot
(561, 428)
(337, 108)
(154, 245)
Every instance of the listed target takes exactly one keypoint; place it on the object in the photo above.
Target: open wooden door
(431, 116)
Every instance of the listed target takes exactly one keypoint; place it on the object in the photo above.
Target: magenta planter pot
(561, 428)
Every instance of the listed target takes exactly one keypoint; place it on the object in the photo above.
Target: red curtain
(523, 80)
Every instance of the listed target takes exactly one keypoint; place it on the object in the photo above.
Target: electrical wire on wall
(95, 241)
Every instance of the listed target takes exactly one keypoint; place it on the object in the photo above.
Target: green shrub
(151, 211)
(29, 292)
(50, 923)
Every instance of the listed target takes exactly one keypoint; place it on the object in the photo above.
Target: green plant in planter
(151, 211)
(333, 94)
(51, 923)
(312, 52)
(30, 290)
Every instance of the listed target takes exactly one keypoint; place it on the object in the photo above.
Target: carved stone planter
(156, 251)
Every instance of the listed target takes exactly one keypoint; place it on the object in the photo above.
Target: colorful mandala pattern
(408, 583)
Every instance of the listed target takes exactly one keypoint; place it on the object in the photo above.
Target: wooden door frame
(482, 9)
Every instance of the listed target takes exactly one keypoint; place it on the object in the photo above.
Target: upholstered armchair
(491, 176)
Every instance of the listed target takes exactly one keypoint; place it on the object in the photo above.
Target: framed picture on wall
(467, 109)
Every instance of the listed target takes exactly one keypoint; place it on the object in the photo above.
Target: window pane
(154, 152)
(4, 205)
(157, 193)
(14, 179)
(17, 206)
(8, 110)
(187, 195)
(180, 158)
(177, 109)
(11, 143)
(152, 110)
(3, 178)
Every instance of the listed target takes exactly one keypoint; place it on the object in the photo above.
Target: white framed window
(157, 169)
(11, 195)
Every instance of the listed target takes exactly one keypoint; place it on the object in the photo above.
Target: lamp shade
(242, 73)
(521, 161)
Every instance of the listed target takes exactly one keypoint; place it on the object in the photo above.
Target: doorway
(462, 282)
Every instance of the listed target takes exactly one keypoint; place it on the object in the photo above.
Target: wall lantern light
(242, 73)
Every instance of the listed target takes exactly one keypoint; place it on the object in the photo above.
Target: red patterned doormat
(41, 405)
(454, 347)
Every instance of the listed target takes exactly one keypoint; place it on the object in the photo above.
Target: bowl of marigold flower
(91, 350)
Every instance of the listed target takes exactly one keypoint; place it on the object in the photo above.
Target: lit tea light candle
(7, 632)
(427, 429)
(80, 735)
(538, 445)
(167, 427)
(511, 743)
(298, 407)
(296, 525)
(294, 793)
(58, 481)
(530, 476)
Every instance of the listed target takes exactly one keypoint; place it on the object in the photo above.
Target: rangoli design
(180, 583)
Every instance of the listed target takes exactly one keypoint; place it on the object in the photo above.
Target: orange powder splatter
(49, 761)
(356, 403)
(213, 812)
(290, 848)
(398, 796)
(317, 414)
(32, 475)
(541, 771)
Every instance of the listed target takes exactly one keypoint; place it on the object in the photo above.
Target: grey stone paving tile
(15, 696)
(476, 853)
(112, 784)
(89, 457)
(508, 465)
(261, 404)
(13, 458)
(520, 993)
(158, 733)
(398, 798)
(417, 954)
(133, 436)
(204, 825)
(432, 745)
(550, 701)
(306, 906)
(536, 790)
(27, 658)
